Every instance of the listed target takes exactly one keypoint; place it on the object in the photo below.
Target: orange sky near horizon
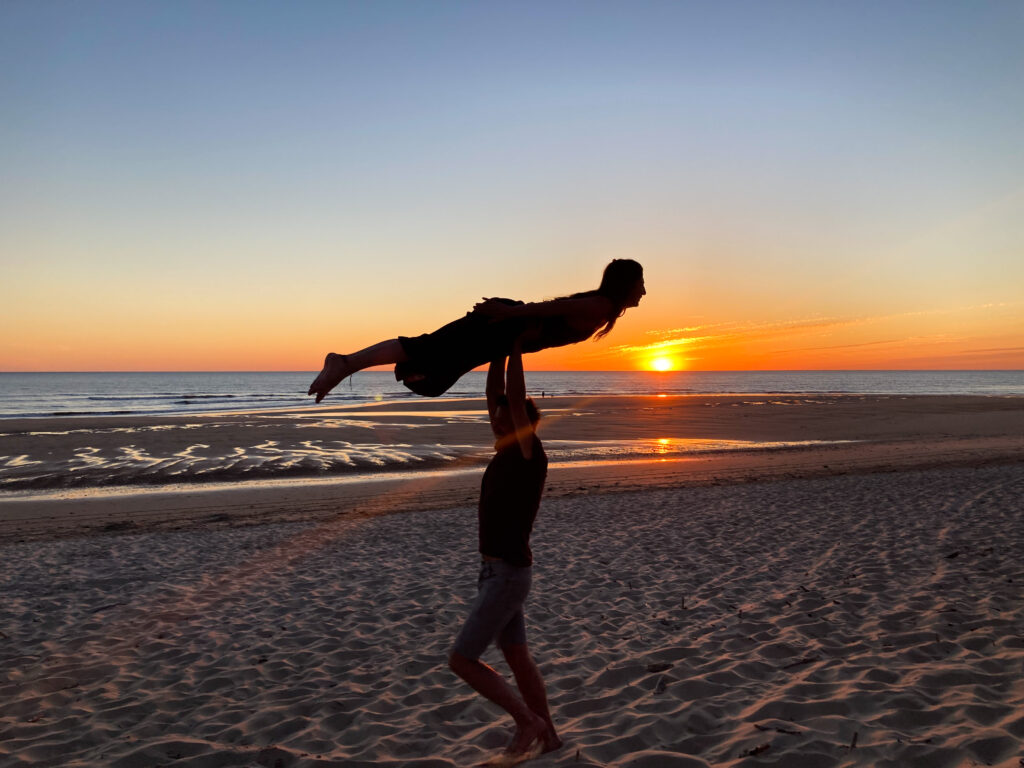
(967, 337)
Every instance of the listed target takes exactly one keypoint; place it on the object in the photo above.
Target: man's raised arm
(515, 383)
(495, 384)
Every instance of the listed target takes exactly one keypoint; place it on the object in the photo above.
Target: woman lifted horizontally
(431, 363)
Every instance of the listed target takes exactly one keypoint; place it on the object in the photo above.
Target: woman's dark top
(509, 500)
(437, 360)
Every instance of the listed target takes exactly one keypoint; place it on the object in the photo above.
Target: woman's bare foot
(335, 369)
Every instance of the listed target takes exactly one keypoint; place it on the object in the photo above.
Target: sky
(200, 185)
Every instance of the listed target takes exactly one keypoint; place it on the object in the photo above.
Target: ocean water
(81, 394)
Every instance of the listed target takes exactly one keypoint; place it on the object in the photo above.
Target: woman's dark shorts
(435, 361)
(497, 610)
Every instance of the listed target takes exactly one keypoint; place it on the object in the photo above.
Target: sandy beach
(854, 600)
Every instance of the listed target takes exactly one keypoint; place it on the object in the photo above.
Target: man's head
(502, 424)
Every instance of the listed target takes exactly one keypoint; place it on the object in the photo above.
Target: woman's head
(623, 284)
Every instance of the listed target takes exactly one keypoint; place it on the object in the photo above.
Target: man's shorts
(497, 610)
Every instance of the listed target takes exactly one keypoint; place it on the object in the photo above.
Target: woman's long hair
(616, 285)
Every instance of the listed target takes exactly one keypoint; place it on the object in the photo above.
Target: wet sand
(439, 449)
(58, 453)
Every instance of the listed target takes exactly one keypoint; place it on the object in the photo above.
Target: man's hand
(492, 308)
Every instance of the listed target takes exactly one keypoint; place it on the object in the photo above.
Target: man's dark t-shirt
(509, 498)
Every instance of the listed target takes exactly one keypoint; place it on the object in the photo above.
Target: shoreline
(417, 402)
(351, 438)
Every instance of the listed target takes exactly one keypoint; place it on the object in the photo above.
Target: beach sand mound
(871, 620)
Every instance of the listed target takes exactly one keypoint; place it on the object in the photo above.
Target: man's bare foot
(549, 740)
(507, 760)
(335, 369)
(525, 737)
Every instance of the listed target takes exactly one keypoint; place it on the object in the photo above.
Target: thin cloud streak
(735, 332)
(993, 350)
(938, 339)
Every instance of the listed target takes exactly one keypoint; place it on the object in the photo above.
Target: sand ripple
(848, 621)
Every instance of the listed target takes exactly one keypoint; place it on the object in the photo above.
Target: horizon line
(567, 370)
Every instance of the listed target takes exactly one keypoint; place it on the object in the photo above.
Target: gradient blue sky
(245, 185)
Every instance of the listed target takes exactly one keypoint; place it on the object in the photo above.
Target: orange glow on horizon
(952, 338)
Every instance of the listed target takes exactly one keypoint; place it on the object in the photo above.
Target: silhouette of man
(509, 499)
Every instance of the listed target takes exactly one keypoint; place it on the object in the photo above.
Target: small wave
(81, 413)
(150, 396)
(192, 396)
(225, 396)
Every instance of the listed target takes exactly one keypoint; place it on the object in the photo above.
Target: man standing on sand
(509, 499)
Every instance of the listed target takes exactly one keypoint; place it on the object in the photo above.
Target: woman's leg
(337, 367)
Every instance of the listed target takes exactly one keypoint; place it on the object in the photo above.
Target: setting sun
(662, 364)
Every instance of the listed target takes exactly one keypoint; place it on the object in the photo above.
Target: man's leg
(492, 686)
(531, 686)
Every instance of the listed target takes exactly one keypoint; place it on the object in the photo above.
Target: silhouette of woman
(431, 363)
